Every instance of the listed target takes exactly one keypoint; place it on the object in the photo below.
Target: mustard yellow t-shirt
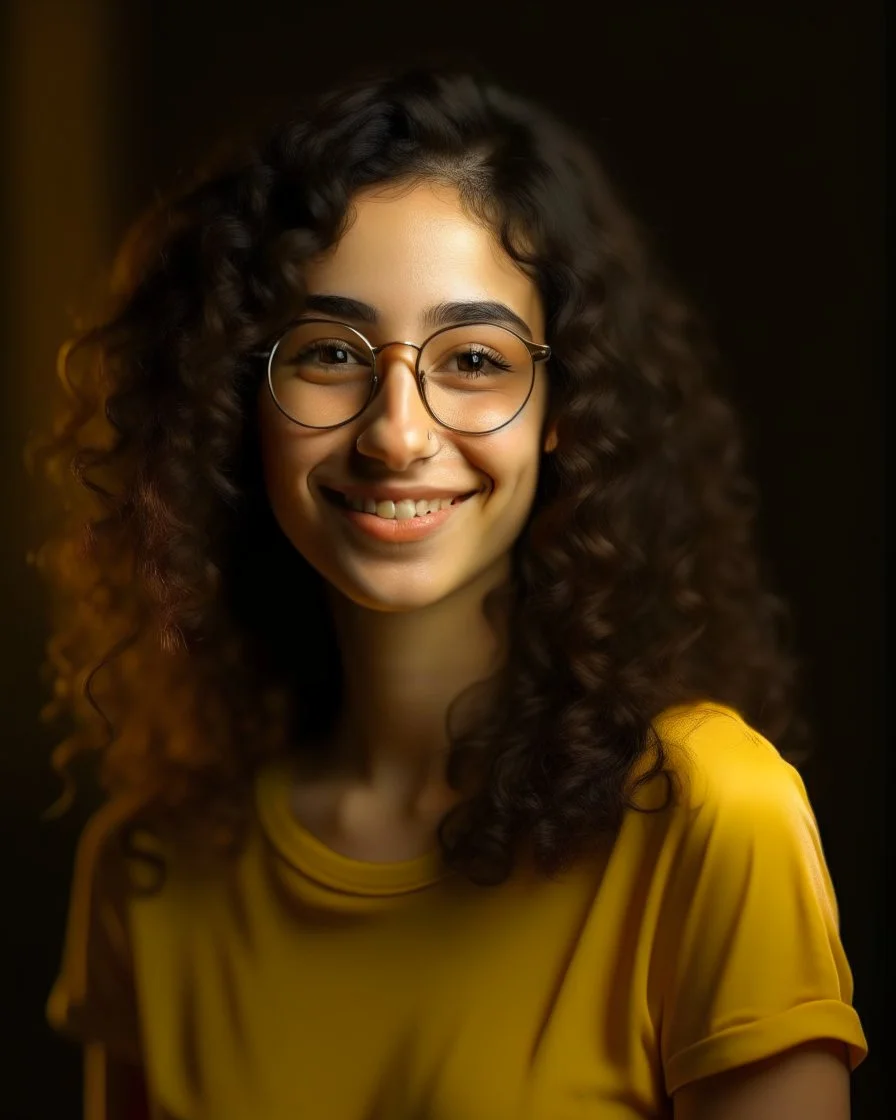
(298, 984)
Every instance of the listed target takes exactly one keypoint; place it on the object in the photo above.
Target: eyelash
(492, 356)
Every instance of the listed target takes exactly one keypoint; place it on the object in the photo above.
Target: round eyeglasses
(473, 378)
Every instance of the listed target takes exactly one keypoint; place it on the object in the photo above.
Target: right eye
(331, 352)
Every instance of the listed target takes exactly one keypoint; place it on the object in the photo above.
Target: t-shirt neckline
(311, 856)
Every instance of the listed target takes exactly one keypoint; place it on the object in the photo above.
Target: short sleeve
(756, 965)
(93, 998)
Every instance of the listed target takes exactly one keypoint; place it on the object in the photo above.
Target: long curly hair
(636, 582)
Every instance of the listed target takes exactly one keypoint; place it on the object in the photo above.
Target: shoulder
(93, 998)
(749, 950)
(734, 796)
(719, 762)
(713, 737)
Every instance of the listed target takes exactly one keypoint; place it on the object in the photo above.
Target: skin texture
(409, 616)
(809, 1082)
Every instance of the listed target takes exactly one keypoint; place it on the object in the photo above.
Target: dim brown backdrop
(748, 136)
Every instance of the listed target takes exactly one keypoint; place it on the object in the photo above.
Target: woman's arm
(809, 1082)
(113, 1089)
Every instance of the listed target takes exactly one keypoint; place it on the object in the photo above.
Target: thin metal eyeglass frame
(538, 352)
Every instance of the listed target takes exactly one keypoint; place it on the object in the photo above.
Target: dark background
(748, 138)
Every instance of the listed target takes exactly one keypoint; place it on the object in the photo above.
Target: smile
(404, 520)
(402, 510)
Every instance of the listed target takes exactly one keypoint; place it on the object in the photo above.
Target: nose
(395, 425)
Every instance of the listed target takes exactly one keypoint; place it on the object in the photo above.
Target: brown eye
(479, 360)
(471, 362)
(331, 353)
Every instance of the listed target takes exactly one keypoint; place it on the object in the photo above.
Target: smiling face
(406, 255)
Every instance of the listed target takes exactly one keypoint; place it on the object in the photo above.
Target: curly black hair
(637, 583)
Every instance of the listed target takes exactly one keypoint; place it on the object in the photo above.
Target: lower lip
(392, 530)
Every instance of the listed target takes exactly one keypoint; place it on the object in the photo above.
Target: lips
(392, 529)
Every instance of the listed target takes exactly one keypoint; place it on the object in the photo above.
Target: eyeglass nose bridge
(376, 380)
(377, 350)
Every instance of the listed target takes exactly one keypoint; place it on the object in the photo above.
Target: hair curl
(636, 581)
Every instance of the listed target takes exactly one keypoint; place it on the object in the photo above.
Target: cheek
(288, 453)
(512, 465)
(286, 465)
(510, 457)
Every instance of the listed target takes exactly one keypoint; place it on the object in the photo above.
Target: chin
(401, 596)
(415, 587)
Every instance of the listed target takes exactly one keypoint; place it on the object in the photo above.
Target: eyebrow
(440, 315)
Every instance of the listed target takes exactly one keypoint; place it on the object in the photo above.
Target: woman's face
(404, 255)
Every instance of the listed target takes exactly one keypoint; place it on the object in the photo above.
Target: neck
(402, 672)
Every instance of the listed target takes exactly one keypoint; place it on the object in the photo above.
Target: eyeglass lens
(475, 378)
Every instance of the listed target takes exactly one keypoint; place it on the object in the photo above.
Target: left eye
(470, 361)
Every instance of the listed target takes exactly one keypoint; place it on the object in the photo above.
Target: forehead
(409, 249)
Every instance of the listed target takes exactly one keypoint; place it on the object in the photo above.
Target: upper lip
(398, 493)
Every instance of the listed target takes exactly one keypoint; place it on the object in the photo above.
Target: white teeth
(399, 511)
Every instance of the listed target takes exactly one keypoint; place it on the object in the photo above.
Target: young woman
(442, 697)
